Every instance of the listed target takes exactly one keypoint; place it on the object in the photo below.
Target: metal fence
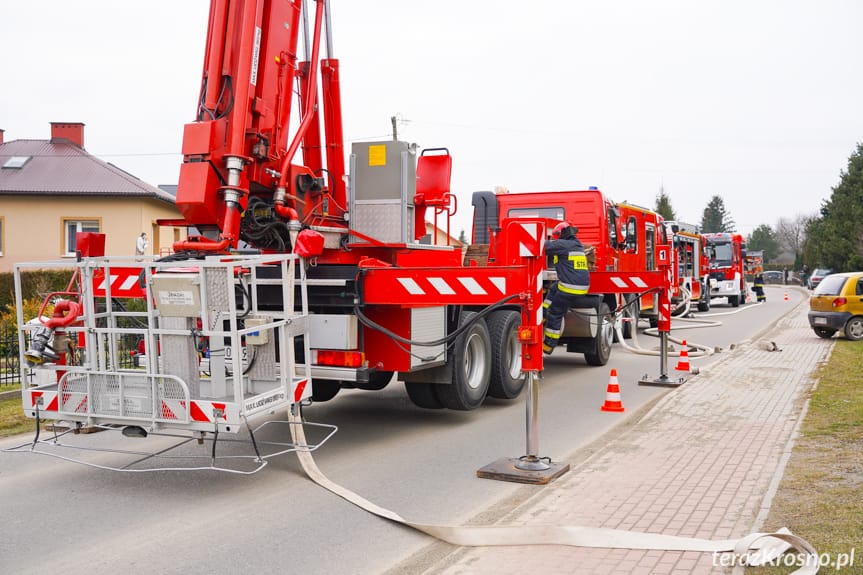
(10, 368)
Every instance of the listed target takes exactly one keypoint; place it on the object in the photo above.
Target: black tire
(377, 381)
(601, 351)
(423, 395)
(734, 300)
(743, 297)
(470, 362)
(630, 315)
(824, 332)
(704, 304)
(507, 381)
(325, 389)
(854, 328)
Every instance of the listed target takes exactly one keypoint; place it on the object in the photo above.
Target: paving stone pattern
(700, 463)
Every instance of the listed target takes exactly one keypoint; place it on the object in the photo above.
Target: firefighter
(758, 287)
(573, 280)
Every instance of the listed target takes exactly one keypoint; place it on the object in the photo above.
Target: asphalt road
(62, 517)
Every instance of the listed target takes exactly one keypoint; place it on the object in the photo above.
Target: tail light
(338, 358)
(839, 302)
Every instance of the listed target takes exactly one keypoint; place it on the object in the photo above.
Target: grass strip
(820, 496)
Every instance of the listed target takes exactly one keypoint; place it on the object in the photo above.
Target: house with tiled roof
(52, 189)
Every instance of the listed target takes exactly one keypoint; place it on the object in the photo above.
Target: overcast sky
(760, 102)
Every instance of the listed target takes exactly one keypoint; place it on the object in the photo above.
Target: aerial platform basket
(170, 346)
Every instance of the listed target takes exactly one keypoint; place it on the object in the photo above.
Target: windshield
(831, 285)
(721, 254)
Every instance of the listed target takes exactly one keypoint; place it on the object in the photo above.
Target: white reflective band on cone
(768, 545)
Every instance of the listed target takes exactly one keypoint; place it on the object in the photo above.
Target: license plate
(820, 321)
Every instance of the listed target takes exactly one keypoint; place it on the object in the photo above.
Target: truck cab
(727, 256)
(690, 268)
(589, 330)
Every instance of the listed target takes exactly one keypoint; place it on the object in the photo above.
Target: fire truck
(621, 241)
(302, 274)
(690, 268)
(726, 266)
(643, 230)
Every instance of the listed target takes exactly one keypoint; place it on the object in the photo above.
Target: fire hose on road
(759, 548)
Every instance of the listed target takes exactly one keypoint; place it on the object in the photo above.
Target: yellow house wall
(33, 226)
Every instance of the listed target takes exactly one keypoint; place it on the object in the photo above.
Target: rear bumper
(829, 319)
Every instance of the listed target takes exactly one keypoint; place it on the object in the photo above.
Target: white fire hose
(756, 548)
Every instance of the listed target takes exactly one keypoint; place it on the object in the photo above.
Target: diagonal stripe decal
(412, 286)
(472, 286)
(441, 286)
(499, 283)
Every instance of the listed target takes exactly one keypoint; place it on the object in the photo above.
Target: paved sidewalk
(703, 462)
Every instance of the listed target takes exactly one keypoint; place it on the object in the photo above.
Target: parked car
(837, 305)
(772, 277)
(817, 276)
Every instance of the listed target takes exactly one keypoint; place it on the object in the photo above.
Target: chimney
(70, 131)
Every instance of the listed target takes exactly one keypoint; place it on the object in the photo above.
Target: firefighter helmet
(563, 230)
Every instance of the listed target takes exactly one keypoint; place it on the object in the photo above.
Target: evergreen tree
(715, 217)
(835, 239)
(763, 239)
(663, 206)
(462, 237)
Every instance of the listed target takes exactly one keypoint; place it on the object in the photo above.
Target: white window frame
(73, 225)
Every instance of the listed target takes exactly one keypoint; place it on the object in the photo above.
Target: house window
(72, 227)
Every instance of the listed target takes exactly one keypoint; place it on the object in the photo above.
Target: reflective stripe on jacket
(570, 262)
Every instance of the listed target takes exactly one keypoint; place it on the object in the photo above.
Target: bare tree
(791, 234)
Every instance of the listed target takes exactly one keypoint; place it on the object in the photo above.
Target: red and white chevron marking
(203, 412)
(49, 400)
(628, 282)
(124, 282)
(531, 240)
(173, 410)
(460, 285)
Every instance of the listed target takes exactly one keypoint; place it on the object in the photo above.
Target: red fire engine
(727, 258)
(690, 268)
(621, 262)
(303, 277)
(643, 230)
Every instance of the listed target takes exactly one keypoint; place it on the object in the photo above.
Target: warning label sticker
(176, 297)
(378, 155)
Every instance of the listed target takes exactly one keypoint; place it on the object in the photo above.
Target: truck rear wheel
(470, 362)
(630, 316)
(601, 351)
(506, 378)
(423, 394)
(704, 304)
(377, 381)
(324, 389)
(734, 300)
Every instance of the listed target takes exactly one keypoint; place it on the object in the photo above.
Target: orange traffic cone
(612, 396)
(786, 295)
(683, 364)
